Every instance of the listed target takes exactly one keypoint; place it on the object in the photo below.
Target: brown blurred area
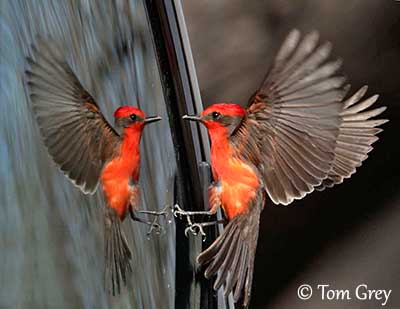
(343, 236)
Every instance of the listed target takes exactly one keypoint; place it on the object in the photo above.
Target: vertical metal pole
(182, 97)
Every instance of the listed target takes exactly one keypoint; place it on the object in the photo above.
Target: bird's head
(220, 118)
(129, 117)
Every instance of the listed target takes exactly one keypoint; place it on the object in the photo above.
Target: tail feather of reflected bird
(117, 253)
(87, 149)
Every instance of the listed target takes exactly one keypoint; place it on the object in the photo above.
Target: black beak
(193, 118)
(151, 119)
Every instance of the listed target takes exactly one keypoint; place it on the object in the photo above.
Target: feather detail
(357, 133)
(77, 136)
(232, 253)
(303, 133)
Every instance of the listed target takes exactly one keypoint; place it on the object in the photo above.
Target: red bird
(296, 135)
(87, 149)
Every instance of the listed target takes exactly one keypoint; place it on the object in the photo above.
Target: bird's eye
(133, 117)
(215, 115)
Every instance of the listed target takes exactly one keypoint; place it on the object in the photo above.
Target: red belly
(239, 185)
(236, 198)
(116, 188)
(117, 195)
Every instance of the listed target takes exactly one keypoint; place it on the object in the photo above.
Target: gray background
(343, 236)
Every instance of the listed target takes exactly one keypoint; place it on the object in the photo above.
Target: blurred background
(51, 253)
(51, 236)
(343, 236)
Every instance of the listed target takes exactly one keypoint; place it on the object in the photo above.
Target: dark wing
(295, 119)
(75, 132)
(232, 254)
(357, 133)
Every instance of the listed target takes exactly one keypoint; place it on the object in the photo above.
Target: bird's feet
(193, 227)
(178, 211)
(154, 225)
(197, 228)
(168, 209)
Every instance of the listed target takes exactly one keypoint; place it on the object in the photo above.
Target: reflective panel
(51, 234)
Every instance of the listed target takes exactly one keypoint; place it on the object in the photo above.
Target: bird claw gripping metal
(167, 210)
(178, 211)
(193, 227)
(154, 225)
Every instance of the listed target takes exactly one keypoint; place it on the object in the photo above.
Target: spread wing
(77, 136)
(357, 133)
(303, 133)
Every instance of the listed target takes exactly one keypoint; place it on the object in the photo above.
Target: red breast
(117, 173)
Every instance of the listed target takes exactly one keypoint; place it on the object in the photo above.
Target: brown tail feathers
(232, 255)
(117, 253)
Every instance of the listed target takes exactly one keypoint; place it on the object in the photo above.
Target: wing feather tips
(299, 63)
(298, 92)
(357, 133)
(288, 45)
(69, 120)
(301, 116)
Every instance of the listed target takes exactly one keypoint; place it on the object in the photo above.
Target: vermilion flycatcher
(87, 149)
(296, 135)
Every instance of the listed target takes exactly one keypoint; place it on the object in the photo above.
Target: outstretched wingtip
(294, 33)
